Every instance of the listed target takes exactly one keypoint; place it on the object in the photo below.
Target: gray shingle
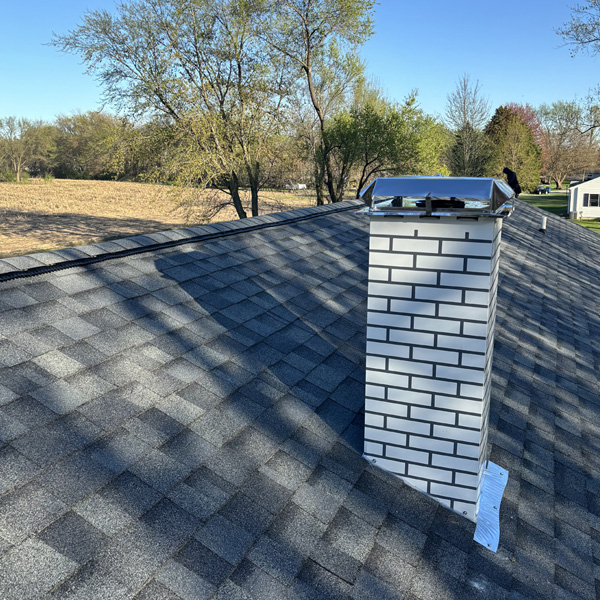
(25, 377)
(16, 469)
(11, 354)
(60, 396)
(57, 439)
(156, 591)
(77, 328)
(110, 410)
(390, 568)
(58, 364)
(31, 344)
(189, 448)
(90, 583)
(31, 569)
(28, 411)
(10, 427)
(83, 353)
(253, 582)
(276, 559)
(6, 395)
(119, 371)
(286, 470)
(247, 514)
(202, 561)
(179, 409)
(200, 503)
(280, 398)
(73, 537)
(335, 561)
(154, 427)
(118, 450)
(226, 539)
(105, 516)
(316, 582)
(185, 583)
(74, 477)
(27, 510)
(159, 471)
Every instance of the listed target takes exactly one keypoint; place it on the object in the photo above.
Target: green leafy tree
(468, 153)
(511, 145)
(199, 64)
(87, 144)
(24, 145)
(321, 38)
(381, 138)
(433, 142)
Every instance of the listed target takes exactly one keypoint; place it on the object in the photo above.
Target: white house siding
(577, 199)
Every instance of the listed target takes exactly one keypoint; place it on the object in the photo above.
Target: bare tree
(467, 112)
(582, 32)
(568, 142)
(466, 106)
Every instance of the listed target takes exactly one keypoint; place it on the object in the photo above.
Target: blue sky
(512, 51)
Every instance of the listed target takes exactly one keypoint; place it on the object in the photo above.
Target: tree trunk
(329, 176)
(253, 178)
(234, 189)
(362, 182)
(319, 182)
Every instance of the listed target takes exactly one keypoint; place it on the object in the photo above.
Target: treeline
(92, 145)
(234, 94)
(551, 142)
(372, 137)
(365, 139)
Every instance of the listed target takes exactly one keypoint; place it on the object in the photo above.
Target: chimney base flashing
(486, 514)
(487, 532)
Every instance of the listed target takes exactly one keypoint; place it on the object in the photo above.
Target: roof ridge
(30, 265)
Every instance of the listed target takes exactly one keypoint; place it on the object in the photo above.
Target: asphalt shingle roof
(186, 424)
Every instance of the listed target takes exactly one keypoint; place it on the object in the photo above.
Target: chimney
(433, 273)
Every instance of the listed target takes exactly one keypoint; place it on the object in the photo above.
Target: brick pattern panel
(431, 315)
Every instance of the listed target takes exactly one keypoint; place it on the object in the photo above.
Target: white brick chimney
(430, 335)
(430, 331)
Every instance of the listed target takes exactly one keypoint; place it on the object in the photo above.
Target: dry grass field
(38, 215)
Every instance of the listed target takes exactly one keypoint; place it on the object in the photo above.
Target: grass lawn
(554, 203)
(38, 216)
(557, 204)
(593, 225)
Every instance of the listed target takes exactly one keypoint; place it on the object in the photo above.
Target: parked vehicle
(543, 189)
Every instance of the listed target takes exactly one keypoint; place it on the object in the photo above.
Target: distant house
(584, 199)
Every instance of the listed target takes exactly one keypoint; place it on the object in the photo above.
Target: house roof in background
(186, 423)
(595, 180)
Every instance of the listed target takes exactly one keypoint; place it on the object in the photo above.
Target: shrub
(7, 177)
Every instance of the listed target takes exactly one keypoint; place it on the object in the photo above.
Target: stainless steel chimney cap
(439, 196)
